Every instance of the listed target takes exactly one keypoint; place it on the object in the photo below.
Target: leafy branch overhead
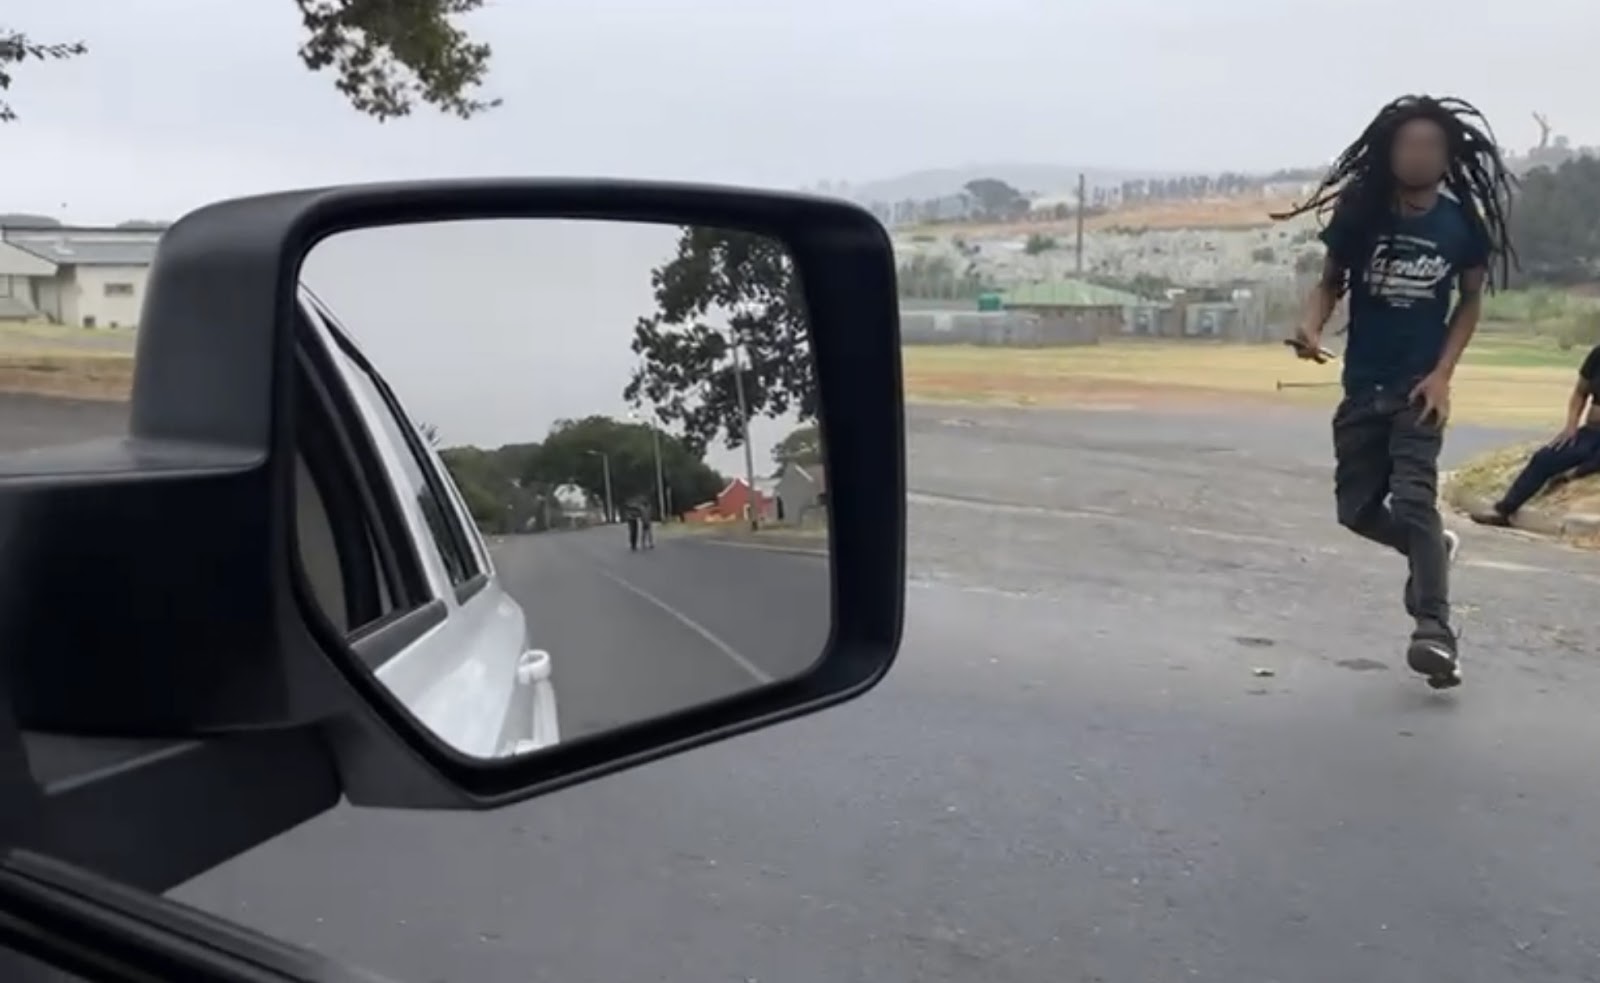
(748, 286)
(391, 54)
(388, 55)
(16, 48)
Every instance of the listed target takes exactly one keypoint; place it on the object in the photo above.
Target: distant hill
(1042, 178)
(27, 220)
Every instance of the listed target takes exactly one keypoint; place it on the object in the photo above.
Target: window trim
(391, 536)
(381, 641)
(468, 589)
(370, 589)
(454, 532)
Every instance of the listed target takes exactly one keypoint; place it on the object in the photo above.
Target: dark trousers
(1546, 463)
(1382, 451)
(633, 534)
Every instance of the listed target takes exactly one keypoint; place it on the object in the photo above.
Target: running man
(1415, 208)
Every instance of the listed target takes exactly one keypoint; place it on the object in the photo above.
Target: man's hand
(1563, 438)
(1433, 392)
(1307, 343)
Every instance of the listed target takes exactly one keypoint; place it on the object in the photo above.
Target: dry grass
(67, 374)
(52, 360)
(1485, 477)
(1214, 213)
(1137, 373)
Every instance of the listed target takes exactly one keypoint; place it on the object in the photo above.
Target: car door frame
(475, 657)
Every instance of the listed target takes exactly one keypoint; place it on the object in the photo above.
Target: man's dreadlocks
(1362, 178)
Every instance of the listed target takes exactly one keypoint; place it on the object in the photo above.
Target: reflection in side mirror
(587, 448)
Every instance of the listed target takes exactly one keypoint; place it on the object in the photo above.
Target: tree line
(1555, 224)
(513, 488)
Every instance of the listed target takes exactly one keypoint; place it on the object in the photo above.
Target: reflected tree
(723, 288)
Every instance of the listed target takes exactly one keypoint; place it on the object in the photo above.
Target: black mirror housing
(151, 586)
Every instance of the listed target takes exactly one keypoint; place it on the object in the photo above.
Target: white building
(90, 278)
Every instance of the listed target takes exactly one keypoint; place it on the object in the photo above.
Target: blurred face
(1420, 152)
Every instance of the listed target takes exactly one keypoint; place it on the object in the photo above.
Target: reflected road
(635, 635)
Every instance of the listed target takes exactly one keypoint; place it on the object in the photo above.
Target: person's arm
(1322, 299)
(1339, 237)
(1577, 405)
(1463, 320)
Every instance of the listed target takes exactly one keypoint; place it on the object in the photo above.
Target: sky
(180, 102)
(493, 330)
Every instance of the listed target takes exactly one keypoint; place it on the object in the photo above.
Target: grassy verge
(1504, 380)
(52, 360)
(67, 374)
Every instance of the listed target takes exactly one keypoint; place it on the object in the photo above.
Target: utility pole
(661, 476)
(661, 480)
(1081, 200)
(744, 431)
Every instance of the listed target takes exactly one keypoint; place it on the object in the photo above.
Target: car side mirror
(214, 614)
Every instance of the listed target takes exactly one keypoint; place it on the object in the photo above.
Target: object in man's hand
(1304, 350)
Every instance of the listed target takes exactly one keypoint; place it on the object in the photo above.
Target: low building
(802, 494)
(733, 503)
(90, 278)
(1072, 312)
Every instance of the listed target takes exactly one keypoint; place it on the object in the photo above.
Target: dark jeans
(1546, 463)
(1384, 451)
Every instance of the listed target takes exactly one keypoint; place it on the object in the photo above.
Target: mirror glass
(559, 477)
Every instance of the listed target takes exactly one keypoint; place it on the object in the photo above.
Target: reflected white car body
(473, 680)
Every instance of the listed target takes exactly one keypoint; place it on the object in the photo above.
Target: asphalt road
(27, 421)
(637, 635)
(1074, 773)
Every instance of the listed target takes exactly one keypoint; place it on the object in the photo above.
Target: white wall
(110, 295)
(51, 294)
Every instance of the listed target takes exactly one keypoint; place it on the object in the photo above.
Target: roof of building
(1069, 293)
(87, 247)
(817, 474)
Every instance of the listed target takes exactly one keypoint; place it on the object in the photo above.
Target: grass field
(1210, 213)
(51, 360)
(1509, 378)
(1510, 381)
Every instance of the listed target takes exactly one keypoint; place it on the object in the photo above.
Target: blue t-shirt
(1401, 289)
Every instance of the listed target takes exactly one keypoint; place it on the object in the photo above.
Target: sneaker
(1490, 517)
(1452, 549)
(1432, 655)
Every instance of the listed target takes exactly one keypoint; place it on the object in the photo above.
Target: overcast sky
(181, 101)
(184, 101)
(493, 330)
